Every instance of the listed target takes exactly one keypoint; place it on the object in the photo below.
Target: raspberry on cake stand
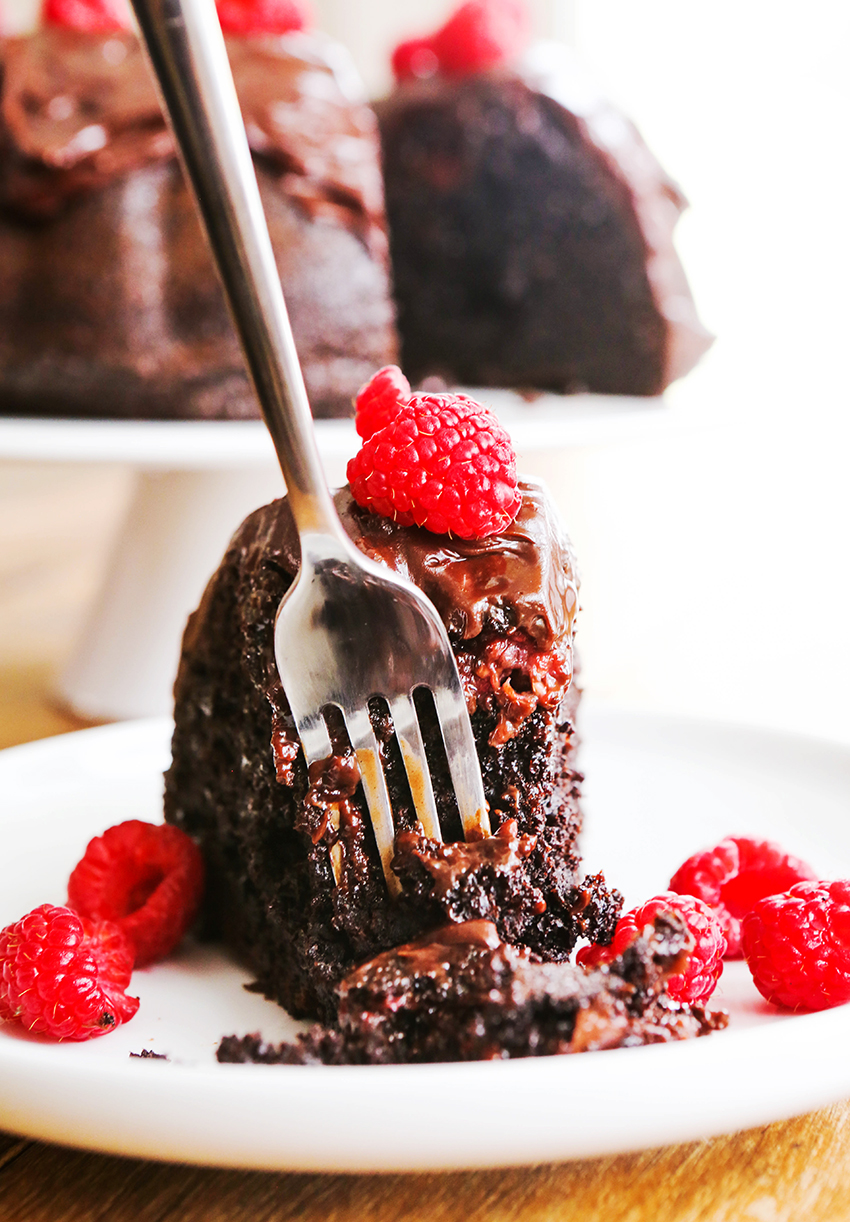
(194, 483)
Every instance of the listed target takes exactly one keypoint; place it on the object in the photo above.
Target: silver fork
(348, 629)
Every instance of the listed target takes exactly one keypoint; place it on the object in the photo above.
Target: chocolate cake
(462, 994)
(109, 303)
(531, 234)
(239, 784)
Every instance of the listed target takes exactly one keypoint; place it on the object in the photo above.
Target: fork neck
(187, 52)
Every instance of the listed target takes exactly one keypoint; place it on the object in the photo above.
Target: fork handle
(186, 49)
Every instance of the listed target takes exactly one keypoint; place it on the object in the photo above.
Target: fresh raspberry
(444, 462)
(481, 34)
(148, 878)
(377, 402)
(734, 875)
(64, 976)
(696, 983)
(477, 36)
(248, 17)
(415, 59)
(89, 16)
(797, 946)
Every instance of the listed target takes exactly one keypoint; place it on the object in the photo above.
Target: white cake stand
(195, 482)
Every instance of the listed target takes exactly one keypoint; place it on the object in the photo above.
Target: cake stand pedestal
(195, 481)
(173, 536)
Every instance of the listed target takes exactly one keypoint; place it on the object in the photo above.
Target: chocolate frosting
(451, 956)
(524, 578)
(438, 956)
(78, 110)
(449, 864)
(435, 951)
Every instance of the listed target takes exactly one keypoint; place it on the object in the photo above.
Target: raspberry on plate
(88, 16)
(696, 982)
(735, 875)
(797, 945)
(378, 402)
(64, 976)
(444, 462)
(148, 878)
(248, 17)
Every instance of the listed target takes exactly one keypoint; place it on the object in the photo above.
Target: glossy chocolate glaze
(436, 956)
(524, 578)
(449, 864)
(458, 969)
(110, 305)
(79, 110)
(451, 957)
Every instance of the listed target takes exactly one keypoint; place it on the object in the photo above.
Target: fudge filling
(460, 993)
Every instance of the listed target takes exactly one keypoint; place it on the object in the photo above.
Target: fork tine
(409, 737)
(315, 740)
(463, 762)
(316, 744)
(365, 745)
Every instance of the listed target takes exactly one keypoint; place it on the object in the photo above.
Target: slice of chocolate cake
(461, 994)
(109, 303)
(531, 232)
(238, 781)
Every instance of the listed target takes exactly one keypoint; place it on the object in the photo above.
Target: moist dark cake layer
(462, 994)
(238, 782)
(109, 302)
(531, 236)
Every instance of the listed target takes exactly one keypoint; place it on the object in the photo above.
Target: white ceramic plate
(548, 422)
(658, 789)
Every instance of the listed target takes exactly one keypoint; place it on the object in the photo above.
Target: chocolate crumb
(461, 993)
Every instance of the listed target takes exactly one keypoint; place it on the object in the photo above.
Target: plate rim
(577, 420)
(751, 1057)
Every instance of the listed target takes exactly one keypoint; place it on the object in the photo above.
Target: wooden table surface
(54, 528)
